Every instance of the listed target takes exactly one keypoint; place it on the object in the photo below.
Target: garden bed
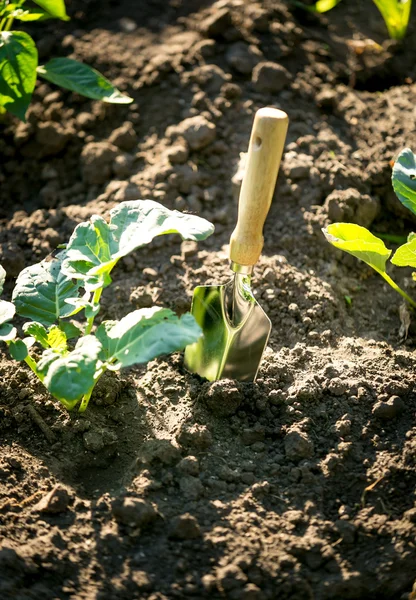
(301, 485)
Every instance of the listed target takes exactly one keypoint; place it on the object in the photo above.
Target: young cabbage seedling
(19, 61)
(50, 292)
(396, 13)
(362, 244)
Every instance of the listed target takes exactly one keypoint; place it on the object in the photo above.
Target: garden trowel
(235, 327)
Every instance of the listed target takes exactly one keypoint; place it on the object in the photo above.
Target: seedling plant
(365, 246)
(68, 358)
(396, 13)
(19, 66)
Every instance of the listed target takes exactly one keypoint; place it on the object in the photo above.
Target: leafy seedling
(69, 359)
(365, 246)
(396, 13)
(19, 60)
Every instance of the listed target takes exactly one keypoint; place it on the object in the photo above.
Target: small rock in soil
(217, 23)
(297, 166)
(133, 512)
(390, 409)
(141, 298)
(197, 131)
(242, 58)
(56, 501)
(184, 527)
(177, 154)
(51, 137)
(230, 578)
(298, 445)
(162, 451)
(124, 137)
(95, 441)
(196, 436)
(269, 77)
(352, 207)
(122, 166)
(191, 487)
(107, 390)
(96, 160)
(222, 397)
(189, 466)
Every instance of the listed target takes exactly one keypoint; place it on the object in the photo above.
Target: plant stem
(31, 363)
(8, 25)
(84, 402)
(95, 301)
(398, 289)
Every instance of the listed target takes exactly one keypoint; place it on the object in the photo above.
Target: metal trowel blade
(235, 331)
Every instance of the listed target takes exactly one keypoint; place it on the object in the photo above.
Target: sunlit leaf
(359, 242)
(42, 291)
(145, 334)
(78, 77)
(96, 246)
(18, 62)
(396, 14)
(55, 8)
(405, 256)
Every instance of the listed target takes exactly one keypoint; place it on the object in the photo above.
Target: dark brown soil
(301, 485)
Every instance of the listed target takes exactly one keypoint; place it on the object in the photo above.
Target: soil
(302, 484)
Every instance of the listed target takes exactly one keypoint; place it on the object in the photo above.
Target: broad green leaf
(7, 332)
(405, 256)
(96, 246)
(359, 242)
(18, 350)
(71, 331)
(55, 8)
(404, 179)
(57, 338)
(18, 62)
(2, 278)
(7, 311)
(37, 331)
(396, 14)
(71, 376)
(77, 77)
(321, 6)
(136, 222)
(145, 334)
(42, 291)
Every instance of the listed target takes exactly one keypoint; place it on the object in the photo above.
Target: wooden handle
(263, 160)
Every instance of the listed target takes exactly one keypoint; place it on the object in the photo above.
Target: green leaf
(396, 14)
(77, 77)
(96, 246)
(18, 62)
(405, 256)
(71, 331)
(145, 334)
(31, 14)
(57, 338)
(37, 331)
(321, 6)
(359, 242)
(18, 350)
(7, 332)
(71, 376)
(2, 278)
(55, 8)
(404, 179)
(42, 291)
(7, 311)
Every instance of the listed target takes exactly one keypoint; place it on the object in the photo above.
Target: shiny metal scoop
(236, 329)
